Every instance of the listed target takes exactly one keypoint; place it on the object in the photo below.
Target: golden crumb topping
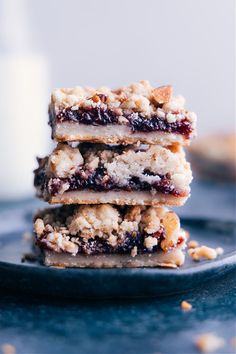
(147, 163)
(138, 97)
(94, 221)
(64, 161)
(112, 224)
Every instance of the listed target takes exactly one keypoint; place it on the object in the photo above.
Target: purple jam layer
(99, 181)
(101, 116)
(98, 245)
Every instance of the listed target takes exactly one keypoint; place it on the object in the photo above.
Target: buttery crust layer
(118, 198)
(113, 134)
(172, 259)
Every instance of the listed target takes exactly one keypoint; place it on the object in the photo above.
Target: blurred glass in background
(24, 87)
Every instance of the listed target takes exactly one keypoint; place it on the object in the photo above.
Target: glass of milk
(23, 103)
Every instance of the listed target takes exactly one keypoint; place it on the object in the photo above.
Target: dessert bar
(138, 112)
(124, 175)
(106, 236)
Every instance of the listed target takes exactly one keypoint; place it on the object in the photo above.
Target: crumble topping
(94, 221)
(152, 219)
(209, 342)
(63, 229)
(138, 97)
(145, 162)
(150, 242)
(186, 306)
(64, 161)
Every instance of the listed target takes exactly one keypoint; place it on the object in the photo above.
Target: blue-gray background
(188, 43)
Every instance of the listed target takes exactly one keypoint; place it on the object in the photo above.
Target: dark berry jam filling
(137, 122)
(98, 245)
(100, 181)
(91, 116)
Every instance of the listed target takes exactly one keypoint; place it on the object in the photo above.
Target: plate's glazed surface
(97, 283)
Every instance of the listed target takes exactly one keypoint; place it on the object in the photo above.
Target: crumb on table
(8, 349)
(186, 306)
(209, 342)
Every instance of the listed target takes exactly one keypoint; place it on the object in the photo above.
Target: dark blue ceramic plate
(98, 283)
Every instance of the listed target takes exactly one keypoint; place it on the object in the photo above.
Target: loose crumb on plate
(203, 252)
(209, 342)
(8, 349)
(186, 306)
(193, 244)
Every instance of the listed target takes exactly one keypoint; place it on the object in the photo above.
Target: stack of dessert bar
(118, 165)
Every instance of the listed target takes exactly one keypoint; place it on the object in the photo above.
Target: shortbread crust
(118, 198)
(171, 259)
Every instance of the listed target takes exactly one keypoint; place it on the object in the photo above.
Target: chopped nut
(150, 242)
(193, 244)
(186, 306)
(202, 252)
(112, 240)
(134, 214)
(134, 251)
(162, 94)
(171, 224)
(8, 349)
(39, 227)
(95, 98)
(209, 342)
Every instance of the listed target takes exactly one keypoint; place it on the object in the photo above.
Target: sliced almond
(162, 94)
(171, 225)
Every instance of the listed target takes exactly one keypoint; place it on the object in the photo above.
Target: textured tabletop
(154, 325)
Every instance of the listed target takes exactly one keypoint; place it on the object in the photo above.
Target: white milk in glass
(23, 104)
